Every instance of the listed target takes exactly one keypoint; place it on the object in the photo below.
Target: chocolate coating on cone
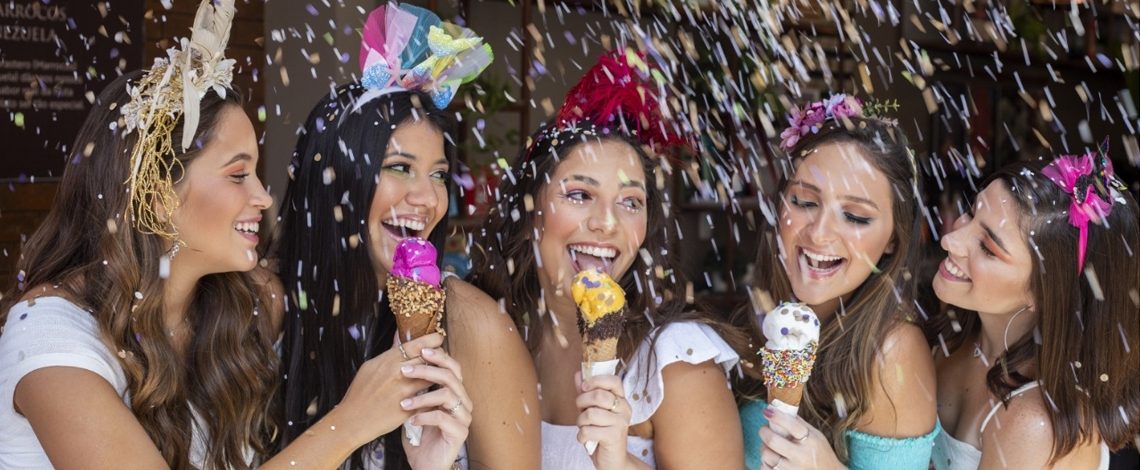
(418, 307)
(606, 327)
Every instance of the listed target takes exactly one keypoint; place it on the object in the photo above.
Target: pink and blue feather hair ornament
(405, 48)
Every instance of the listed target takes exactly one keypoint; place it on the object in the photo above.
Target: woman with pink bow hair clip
(1040, 349)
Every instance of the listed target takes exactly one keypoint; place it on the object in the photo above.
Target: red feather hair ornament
(617, 93)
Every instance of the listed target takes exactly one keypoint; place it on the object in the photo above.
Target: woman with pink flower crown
(847, 212)
(1038, 355)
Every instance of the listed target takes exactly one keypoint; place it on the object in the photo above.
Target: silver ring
(458, 404)
(614, 406)
(778, 462)
(402, 352)
(801, 439)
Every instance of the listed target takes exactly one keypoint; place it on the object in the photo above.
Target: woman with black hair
(373, 167)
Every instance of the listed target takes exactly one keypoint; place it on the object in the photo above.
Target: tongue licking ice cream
(601, 314)
(416, 299)
(413, 289)
(792, 333)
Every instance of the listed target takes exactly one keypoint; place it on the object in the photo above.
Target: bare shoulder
(903, 391)
(906, 339)
(471, 309)
(499, 375)
(274, 292)
(1019, 435)
(705, 436)
(480, 333)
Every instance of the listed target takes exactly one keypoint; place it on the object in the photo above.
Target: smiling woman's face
(836, 222)
(592, 213)
(411, 191)
(988, 260)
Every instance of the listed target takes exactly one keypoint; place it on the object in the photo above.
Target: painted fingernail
(407, 403)
(769, 412)
(428, 352)
(408, 370)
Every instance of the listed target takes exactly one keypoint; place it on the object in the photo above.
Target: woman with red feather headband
(584, 203)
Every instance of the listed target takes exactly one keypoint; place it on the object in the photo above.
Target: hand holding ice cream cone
(601, 316)
(416, 298)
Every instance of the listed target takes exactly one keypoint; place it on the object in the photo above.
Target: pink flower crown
(838, 107)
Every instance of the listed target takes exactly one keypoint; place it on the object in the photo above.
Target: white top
(952, 454)
(53, 332)
(689, 342)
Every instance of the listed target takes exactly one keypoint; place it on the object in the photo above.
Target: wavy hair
(88, 248)
(336, 316)
(849, 345)
(509, 237)
(1088, 326)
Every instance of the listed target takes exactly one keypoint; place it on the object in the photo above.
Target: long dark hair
(849, 345)
(1083, 348)
(336, 316)
(88, 247)
(653, 287)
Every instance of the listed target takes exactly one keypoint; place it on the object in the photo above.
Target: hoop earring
(1005, 334)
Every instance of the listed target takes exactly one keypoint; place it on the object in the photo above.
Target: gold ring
(402, 352)
(614, 406)
(458, 404)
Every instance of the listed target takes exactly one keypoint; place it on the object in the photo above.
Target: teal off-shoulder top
(866, 451)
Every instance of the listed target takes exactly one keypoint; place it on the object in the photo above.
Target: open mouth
(952, 272)
(404, 228)
(585, 257)
(819, 264)
(248, 229)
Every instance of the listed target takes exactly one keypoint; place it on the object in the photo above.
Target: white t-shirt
(689, 342)
(53, 332)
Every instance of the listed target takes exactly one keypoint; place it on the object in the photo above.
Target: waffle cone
(790, 395)
(599, 350)
(418, 307)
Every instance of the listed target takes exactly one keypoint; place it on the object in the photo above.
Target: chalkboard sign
(55, 57)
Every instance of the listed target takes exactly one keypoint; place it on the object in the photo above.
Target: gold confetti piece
(865, 75)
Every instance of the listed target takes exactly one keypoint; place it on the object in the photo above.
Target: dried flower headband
(838, 107)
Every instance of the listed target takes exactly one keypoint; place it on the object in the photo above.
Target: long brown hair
(88, 247)
(508, 238)
(1083, 349)
(839, 391)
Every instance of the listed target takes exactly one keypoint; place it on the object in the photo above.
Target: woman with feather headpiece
(135, 336)
(364, 210)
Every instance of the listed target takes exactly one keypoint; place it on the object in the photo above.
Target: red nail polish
(769, 413)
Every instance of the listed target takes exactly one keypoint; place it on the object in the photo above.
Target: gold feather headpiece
(173, 88)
